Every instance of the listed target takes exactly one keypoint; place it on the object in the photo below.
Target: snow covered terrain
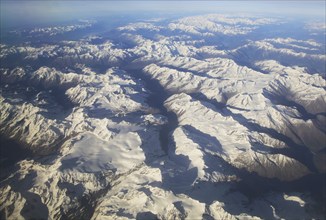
(56, 30)
(189, 118)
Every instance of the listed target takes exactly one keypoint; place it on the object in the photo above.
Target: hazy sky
(20, 12)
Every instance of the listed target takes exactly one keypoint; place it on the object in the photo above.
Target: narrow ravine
(156, 100)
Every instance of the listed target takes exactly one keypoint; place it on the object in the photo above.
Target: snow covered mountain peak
(200, 117)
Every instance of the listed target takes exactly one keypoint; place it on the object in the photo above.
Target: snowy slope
(191, 118)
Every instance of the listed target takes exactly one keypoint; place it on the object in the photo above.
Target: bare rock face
(193, 118)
